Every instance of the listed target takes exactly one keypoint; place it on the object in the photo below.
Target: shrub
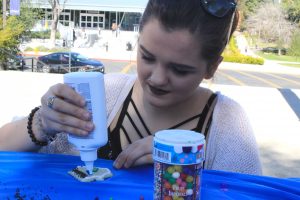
(42, 34)
(232, 54)
(28, 49)
(59, 49)
(243, 59)
(45, 49)
(41, 48)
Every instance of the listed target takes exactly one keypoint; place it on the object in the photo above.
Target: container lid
(183, 147)
(83, 74)
(179, 137)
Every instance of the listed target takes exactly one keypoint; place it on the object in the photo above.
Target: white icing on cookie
(99, 174)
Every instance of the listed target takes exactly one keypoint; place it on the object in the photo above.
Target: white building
(97, 14)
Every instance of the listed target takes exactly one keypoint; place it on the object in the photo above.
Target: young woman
(180, 44)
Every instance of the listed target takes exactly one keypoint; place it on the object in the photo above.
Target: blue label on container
(182, 155)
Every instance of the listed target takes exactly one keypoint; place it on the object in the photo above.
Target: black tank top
(113, 147)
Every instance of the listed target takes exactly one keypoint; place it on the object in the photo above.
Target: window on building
(92, 20)
(64, 18)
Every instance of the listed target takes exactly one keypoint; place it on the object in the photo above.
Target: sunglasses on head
(218, 8)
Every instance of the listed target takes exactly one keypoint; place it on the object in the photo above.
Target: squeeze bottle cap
(88, 157)
(89, 165)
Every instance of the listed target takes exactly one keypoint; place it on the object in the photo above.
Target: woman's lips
(157, 91)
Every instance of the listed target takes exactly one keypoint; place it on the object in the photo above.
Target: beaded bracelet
(29, 128)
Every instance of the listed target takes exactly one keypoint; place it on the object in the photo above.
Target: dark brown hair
(210, 31)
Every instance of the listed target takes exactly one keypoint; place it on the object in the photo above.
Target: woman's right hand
(67, 113)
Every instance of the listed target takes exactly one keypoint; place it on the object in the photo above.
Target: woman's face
(168, 65)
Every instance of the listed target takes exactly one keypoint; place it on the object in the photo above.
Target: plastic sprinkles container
(178, 158)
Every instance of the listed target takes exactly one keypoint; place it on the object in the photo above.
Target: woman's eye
(179, 71)
(148, 59)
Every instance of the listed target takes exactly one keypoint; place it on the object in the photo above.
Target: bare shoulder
(203, 94)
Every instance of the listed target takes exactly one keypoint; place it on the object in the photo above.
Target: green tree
(57, 7)
(292, 8)
(294, 49)
(269, 25)
(16, 27)
(249, 7)
(9, 39)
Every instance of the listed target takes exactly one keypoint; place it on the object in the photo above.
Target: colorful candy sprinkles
(177, 182)
(177, 164)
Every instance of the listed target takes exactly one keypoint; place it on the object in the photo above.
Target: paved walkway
(276, 126)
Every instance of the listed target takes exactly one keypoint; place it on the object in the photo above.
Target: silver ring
(50, 101)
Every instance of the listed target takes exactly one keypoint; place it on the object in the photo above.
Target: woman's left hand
(137, 153)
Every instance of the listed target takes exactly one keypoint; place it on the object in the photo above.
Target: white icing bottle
(90, 85)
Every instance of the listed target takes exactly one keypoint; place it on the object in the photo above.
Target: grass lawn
(272, 56)
(290, 64)
(282, 59)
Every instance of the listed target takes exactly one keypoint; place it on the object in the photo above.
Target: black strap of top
(208, 125)
(113, 147)
(142, 121)
(124, 110)
(114, 144)
(185, 121)
(201, 115)
(200, 124)
(134, 126)
(204, 114)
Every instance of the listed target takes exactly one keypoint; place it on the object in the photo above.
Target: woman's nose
(159, 76)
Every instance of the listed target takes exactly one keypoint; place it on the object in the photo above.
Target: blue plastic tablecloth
(43, 176)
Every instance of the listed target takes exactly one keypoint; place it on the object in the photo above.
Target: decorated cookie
(99, 174)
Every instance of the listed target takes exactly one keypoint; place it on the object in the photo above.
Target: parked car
(59, 63)
(274, 50)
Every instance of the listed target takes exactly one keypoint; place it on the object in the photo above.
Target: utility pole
(4, 13)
